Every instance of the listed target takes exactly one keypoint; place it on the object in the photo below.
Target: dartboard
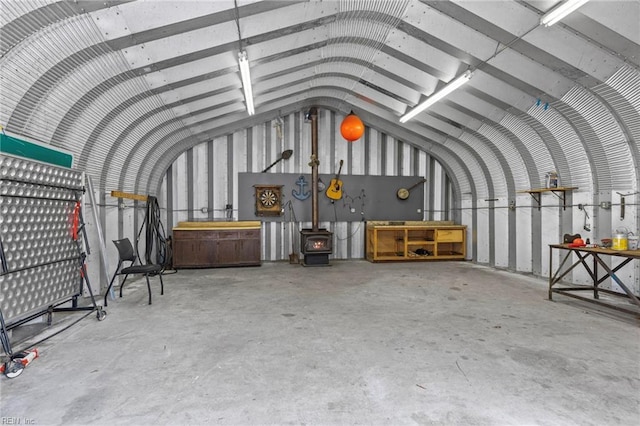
(268, 198)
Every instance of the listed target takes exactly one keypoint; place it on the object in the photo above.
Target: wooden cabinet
(216, 244)
(415, 240)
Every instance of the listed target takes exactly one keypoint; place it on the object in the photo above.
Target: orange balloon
(352, 128)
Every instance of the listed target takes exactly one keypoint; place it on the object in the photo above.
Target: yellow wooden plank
(120, 194)
(212, 225)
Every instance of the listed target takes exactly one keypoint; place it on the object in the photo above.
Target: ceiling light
(453, 85)
(246, 81)
(560, 12)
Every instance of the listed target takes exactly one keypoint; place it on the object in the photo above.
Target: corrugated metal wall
(138, 112)
(204, 181)
(476, 184)
(204, 178)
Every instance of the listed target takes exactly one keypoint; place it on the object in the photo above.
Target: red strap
(76, 222)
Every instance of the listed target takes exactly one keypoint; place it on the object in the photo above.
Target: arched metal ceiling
(129, 85)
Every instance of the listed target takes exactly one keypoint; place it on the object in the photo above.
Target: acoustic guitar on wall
(334, 189)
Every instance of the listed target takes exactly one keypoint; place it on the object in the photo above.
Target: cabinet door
(226, 253)
(192, 253)
(249, 251)
(183, 252)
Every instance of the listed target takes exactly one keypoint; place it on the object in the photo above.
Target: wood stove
(316, 246)
(316, 243)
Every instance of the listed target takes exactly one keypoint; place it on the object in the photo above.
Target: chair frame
(126, 253)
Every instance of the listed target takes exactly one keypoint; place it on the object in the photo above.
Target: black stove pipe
(313, 114)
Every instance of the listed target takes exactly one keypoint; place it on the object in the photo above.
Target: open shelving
(415, 241)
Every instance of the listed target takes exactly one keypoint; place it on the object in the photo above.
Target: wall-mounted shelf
(559, 192)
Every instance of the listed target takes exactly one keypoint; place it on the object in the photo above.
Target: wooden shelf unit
(216, 244)
(415, 241)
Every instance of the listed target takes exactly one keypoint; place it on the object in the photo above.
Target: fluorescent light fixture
(453, 85)
(557, 13)
(246, 81)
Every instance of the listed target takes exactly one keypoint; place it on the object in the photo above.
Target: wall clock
(268, 200)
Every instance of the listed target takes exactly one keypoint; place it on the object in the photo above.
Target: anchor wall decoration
(301, 194)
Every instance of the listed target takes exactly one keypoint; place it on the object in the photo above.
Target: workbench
(216, 244)
(594, 269)
(415, 241)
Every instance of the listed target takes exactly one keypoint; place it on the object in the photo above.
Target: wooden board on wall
(364, 197)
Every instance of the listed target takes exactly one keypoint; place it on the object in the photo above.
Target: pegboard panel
(364, 197)
(40, 259)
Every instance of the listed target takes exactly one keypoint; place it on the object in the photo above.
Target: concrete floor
(356, 343)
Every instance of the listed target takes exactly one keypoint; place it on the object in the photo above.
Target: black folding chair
(127, 254)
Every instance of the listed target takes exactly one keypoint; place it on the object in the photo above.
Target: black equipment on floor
(127, 254)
